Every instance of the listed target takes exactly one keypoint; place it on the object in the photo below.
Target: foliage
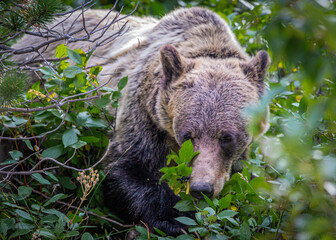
(22, 15)
(12, 86)
(63, 110)
(244, 209)
(177, 176)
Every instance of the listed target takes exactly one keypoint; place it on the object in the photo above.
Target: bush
(69, 112)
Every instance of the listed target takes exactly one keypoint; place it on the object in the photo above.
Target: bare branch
(32, 170)
(44, 134)
(21, 161)
(57, 105)
(86, 211)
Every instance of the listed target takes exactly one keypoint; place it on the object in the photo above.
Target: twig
(88, 212)
(52, 36)
(60, 104)
(44, 134)
(32, 170)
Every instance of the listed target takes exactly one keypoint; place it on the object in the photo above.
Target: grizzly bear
(188, 79)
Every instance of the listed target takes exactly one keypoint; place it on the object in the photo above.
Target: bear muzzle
(197, 189)
(209, 172)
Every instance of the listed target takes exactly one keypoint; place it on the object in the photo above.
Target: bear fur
(188, 79)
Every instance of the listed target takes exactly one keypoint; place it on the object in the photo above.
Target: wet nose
(196, 190)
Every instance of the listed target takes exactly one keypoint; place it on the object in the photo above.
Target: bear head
(202, 99)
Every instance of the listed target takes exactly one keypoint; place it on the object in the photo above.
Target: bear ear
(172, 64)
(256, 68)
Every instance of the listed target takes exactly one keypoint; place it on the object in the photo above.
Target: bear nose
(196, 190)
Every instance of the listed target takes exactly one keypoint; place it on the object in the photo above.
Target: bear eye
(186, 136)
(227, 139)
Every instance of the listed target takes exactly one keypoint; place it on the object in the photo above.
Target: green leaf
(3, 228)
(210, 211)
(116, 95)
(303, 105)
(24, 225)
(185, 237)
(46, 71)
(74, 56)
(208, 200)
(187, 150)
(196, 229)
(52, 176)
(122, 83)
(54, 199)
(70, 137)
(103, 101)
(80, 80)
(252, 222)
(46, 233)
(15, 154)
(141, 230)
(5, 225)
(246, 174)
(23, 214)
(53, 152)
(87, 236)
(226, 214)
(244, 231)
(78, 144)
(72, 234)
(96, 70)
(184, 170)
(186, 221)
(267, 221)
(107, 89)
(59, 227)
(115, 104)
(61, 51)
(185, 206)
(19, 233)
(82, 117)
(36, 207)
(233, 221)
(27, 142)
(72, 71)
(89, 139)
(186, 153)
(160, 232)
(224, 202)
(8, 161)
(96, 122)
(40, 179)
(55, 212)
(11, 205)
(19, 120)
(50, 219)
(67, 183)
(24, 191)
(260, 183)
